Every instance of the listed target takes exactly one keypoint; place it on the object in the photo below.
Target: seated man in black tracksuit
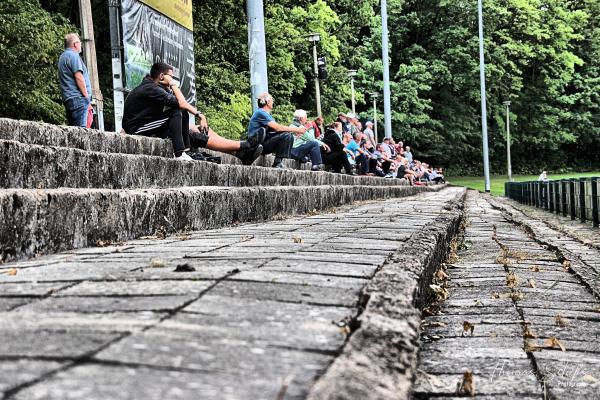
(336, 156)
(158, 108)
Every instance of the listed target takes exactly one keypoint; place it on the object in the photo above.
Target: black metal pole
(572, 197)
(595, 216)
(564, 197)
(557, 196)
(582, 215)
(551, 196)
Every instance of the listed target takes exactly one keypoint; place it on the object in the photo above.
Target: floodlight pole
(257, 48)
(117, 65)
(508, 160)
(314, 38)
(352, 74)
(387, 107)
(486, 161)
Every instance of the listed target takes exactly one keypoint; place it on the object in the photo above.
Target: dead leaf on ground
(467, 386)
(435, 324)
(560, 321)
(157, 263)
(531, 283)
(467, 326)
(103, 243)
(530, 346)
(534, 268)
(589, 379)
(512, 279)
(439, 292)
(478, 303)
(552, 343)
(10, 272)
(566, 265)
(298, 240)
(528, 333)
(183, 236)
(440, 275)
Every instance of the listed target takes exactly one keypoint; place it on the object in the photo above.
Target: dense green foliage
(543, 56)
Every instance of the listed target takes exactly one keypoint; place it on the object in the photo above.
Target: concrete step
(43, 134)
(29, 166)
(43, 221)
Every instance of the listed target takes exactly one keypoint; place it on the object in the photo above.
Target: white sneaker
(184, 157)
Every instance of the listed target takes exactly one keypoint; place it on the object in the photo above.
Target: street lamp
(352, 74)
(314, 38)
(484, 133)
(507, 104)
(374, 96)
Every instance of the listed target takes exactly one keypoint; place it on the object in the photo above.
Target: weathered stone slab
(52, 220)
(17, 372)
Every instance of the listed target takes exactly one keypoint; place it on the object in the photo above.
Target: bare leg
(218, 143)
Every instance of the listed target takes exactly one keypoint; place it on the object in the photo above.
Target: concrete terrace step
(43, 134)
(45, 167)
(43, 221)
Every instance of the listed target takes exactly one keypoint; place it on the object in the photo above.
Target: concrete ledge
(380, 358)
(29, 166)
(42, 134)
(43, 221)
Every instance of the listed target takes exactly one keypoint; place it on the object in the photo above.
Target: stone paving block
(138, 288)
(109, 304)
(28, 321)
(17, 372)
(288, 293)
(320, 267)
(8, 288)
(67, 344)
(324, 281)
(149, 384)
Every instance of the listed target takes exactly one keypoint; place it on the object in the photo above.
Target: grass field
(497, 181)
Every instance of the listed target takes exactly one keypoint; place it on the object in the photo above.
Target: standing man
(278, 138)
(74, 82)
(370, 134)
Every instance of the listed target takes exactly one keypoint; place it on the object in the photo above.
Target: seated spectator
(436, 176)
(356, 155)
(317, 126)
(335, 157)
(306, 145)
(384, 159)
(343, 119)
(400, 148)
(543, 177)
(157, 108)
(408, 155)
(279, 137)
(405, 172)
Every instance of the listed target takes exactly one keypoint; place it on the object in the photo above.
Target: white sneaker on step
(184, 157)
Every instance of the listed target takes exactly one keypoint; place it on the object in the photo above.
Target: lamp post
(484, 133)
(352, 74)
(257, 50)
(387, 102)
(314, 38)
(508, 161)
(374, 96)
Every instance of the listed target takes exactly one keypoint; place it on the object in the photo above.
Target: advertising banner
(150, 37)
(179, 11)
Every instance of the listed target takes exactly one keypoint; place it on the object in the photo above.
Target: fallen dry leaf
(534, 268)
(157, 263)
(11, 272)
(528, 333)
(467, 326)
(467, 386)
(103, 243)
(589, 379)
(531, 283)
(440, 275)
(478, 303)
(566, 264)
(560, 321)
(552, 342)
(298, 239)
(512, 279)
(436, 324)
(439, 292)
(529, 346)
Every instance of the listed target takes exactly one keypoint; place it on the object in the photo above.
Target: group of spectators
(158, 108)
(340, 145)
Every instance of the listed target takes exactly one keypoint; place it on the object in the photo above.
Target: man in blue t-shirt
(278, 137)
(74, 82)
